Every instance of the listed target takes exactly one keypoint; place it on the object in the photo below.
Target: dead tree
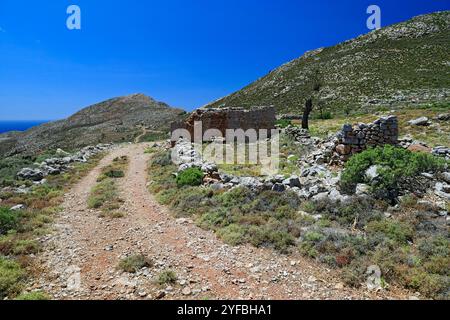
(306, 113)
(316, 86)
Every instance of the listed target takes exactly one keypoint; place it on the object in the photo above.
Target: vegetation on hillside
(19, 230)
(396, 168)
(349, 237)
(404, 65)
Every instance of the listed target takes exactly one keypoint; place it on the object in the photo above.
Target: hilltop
(403, 65)
(116, 120)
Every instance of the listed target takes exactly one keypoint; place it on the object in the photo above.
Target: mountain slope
(115, 120)
(400, 65)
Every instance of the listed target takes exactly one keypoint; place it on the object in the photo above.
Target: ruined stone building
(228, 118)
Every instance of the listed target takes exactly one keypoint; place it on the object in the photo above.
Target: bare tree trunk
(306, 113)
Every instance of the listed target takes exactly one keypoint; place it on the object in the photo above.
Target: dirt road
(82, 254)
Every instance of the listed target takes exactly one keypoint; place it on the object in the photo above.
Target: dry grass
(20, 244)
(105, 195)
(437, 134)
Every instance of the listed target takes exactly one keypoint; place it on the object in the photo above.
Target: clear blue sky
(186, 53)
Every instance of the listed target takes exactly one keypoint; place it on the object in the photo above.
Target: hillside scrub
(190, 177)
(349, 237)
(20, 229)
(396, 168)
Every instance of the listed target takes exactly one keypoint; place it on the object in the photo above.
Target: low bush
(33, 296)
(115, 174)
(167, 277)
(162, 159)
(190, 177)
(24, 247)
(134, 263)
(396, 166)
(8, 220)
(283, 123)
(232, 234)
(11, 275)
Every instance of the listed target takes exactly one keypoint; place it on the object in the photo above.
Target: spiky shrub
(397, 166)
(190, 177)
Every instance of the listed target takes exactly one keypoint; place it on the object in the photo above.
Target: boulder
(209, 168)
(362, 189)
(320, 197)
(343, 149)
(372, 172)
(446, 177)
(443, 117)
(442, 190)
(292, 182)
(17, 207)
(419, 148)
(422, 121)
(30, 174)
(251, 183)
(278, 187)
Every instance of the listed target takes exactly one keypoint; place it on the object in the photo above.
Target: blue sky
(186, 53)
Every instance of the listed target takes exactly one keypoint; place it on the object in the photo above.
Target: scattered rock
(18, 207)
(278, 187)
(419, 148)
(362, 189)
(422, 121)
(443, 117)
(186, 291)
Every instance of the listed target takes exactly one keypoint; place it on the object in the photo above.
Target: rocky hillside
(401, 65)
(115, 120)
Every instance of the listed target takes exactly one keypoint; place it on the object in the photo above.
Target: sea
(19, 125)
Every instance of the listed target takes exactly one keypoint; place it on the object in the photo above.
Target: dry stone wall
(357, 138)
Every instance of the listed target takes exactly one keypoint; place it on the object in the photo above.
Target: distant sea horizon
(19, 125)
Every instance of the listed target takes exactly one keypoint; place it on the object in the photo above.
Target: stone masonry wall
(229, 118)
(357, 138)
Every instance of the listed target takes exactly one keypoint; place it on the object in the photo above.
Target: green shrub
(115, 174)
(11, 275)
(232, 234)
(326, 115)
(26, 247)
(134, 263)
(9, 167)
(396, 166)
(162, 159)
(33, 296)
(396, 231)
(167, 277)
(190, 177)
(8, 220)
(215, 218)
(283, 123)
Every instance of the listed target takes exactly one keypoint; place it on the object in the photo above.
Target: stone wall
(357, 138)
(228, 118)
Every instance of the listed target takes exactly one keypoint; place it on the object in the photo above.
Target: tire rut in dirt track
(89, 247)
